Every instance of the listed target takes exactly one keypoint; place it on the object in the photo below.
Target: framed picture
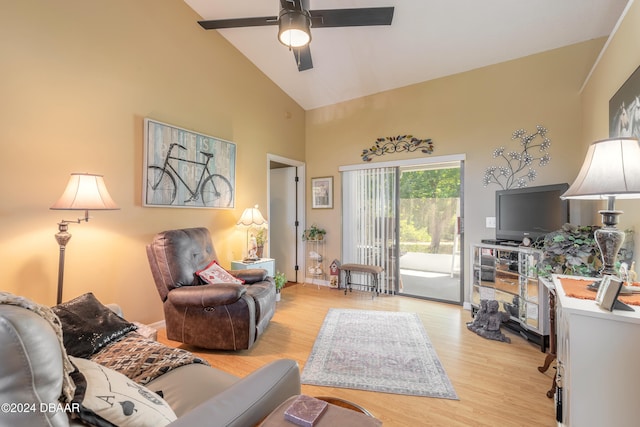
(608, 292)
(624, 109)
(322, 193)
(187, 169)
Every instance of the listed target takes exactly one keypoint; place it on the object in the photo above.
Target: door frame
(300, 204)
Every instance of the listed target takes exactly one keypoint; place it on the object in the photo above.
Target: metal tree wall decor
(518, 170)
(397, 144)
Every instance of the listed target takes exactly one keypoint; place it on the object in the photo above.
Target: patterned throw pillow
(213, 274)
(108, 398)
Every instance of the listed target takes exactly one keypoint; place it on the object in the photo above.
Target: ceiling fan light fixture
(294, 28)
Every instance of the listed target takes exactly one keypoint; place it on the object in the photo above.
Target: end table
(268, 264)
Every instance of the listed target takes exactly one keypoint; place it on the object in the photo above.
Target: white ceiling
(427, 39)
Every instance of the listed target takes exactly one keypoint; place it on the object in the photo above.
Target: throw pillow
(213, 274)
(88, 326)
(107, 398)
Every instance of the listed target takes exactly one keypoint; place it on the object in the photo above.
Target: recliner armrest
(249, 400)
(206, 295)
(250, 275)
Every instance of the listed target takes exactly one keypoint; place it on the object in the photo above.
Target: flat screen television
(530, 211)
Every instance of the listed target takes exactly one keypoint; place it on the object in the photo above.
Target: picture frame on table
(322, 192)
(608, 292)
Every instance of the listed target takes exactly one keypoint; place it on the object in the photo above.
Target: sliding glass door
(429, 237)
(407, 219)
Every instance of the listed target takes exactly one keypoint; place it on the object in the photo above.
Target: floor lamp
(84, 192)
(251, 217)
(611, 170)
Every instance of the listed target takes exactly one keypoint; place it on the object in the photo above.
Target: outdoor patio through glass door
(429, 235)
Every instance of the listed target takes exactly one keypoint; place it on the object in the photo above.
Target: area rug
(381, 351)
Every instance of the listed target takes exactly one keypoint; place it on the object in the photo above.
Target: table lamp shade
(85, 192)
(252, 217)
(611, 168)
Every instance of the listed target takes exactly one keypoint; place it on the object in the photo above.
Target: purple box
(305, 411)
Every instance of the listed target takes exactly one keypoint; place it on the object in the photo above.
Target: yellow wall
(470, 113)
(78, 78)
(618, 62)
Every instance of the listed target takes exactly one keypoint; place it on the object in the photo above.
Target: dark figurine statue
(488, 320)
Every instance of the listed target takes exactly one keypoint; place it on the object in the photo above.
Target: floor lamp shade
(611, 170)
(84, 192)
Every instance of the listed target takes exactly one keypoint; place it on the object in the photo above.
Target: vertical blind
(369, 212)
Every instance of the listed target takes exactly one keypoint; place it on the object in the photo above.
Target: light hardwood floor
(498, 384)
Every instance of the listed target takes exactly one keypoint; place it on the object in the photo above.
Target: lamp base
(609, 240)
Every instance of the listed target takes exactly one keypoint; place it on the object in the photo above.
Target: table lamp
(84, 192)
(611, 170)
(251, 217)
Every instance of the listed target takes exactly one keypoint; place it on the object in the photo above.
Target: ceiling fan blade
(351, 17)
(291, 4)
(239, 22)
(303, 58)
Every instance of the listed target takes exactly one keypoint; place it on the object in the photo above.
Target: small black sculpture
(488, 320)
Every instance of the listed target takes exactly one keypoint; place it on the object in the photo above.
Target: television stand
(508, 274)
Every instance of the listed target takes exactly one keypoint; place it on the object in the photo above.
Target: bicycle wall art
(186, 169)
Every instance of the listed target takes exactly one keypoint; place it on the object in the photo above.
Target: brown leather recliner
(226, 316)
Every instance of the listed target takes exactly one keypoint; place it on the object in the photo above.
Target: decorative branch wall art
(397, 144)
(518, 170)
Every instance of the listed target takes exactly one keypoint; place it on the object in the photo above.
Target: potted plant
(570, 250)
(280, 280)
(314, 233)
(261, 239)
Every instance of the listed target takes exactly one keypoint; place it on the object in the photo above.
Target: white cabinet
(268, 264)
(509, 275)
(598, 361)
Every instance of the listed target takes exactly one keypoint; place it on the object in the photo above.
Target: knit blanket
(68, 387)
(142, 359)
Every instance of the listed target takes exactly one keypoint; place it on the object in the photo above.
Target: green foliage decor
(280, 280)
(314, 233)
(570, 250)
(261, 237)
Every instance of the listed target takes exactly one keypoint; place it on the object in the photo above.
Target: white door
(282, 220)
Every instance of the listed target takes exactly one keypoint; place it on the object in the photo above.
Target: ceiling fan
(295, 19)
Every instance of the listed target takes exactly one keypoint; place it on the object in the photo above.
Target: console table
(598, 361)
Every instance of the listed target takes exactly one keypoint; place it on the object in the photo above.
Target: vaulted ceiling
(427, 39)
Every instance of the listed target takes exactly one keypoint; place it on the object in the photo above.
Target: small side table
(268, 264)
(334, 415)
